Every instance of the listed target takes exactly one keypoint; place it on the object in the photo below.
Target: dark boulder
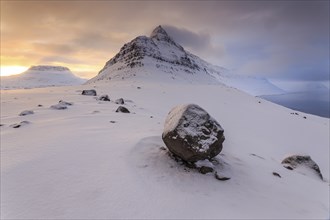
(192, 134)
(90, 92)
(59, 106)
(298, 161)
(104, 98)
(120, 101)
(122, 109)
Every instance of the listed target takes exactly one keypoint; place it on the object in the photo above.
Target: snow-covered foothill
(41, 76)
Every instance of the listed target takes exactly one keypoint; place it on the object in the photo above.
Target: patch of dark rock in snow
(122, 109)
(192, 134)
(22, 123)
(220, 177)
(276, 174)
(40, 105)
(65, 103)
(205, 170)
(26, 112)
(298, 161)
(104, 98)
(2, 125)
(257, 156)
(138, 87)
(59, 106)
(90, 92)
(112, 121)
(120, 101)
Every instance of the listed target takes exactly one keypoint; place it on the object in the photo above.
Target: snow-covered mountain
(41, 76)
(159, 57)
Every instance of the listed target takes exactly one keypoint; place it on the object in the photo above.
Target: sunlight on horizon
(12, 70)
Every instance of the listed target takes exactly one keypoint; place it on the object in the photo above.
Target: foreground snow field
(89, 162)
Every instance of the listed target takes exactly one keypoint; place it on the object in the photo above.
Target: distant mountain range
(41, 76)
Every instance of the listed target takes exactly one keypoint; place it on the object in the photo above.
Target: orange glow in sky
(12, 70)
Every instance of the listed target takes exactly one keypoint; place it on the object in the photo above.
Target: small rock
(205, 170)
(138, 87)
(90, 92)
(162, 148)
(112, 121)
(220, 177)
(122, 109)
(65, 103)
(305, 117)
(276, 174)
(40, 105)
(104, 98)
(120, 101)
(26, 112)
(288, 167)
(296, 161)
(22, 123)
(59, 106)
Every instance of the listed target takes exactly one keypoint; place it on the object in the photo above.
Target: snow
(41, 76)
(89, 162)
(75, 164)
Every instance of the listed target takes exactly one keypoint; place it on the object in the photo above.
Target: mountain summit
(160, 58)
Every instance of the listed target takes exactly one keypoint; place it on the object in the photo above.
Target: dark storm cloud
(280, 39)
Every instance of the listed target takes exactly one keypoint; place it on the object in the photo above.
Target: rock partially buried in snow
(192, 134)
(104, 98)
(26, 112)
(120, 101)
(90, 92)
(65, 103)
(300, 161)
(122, 109)
(59, 106)
(22, 123)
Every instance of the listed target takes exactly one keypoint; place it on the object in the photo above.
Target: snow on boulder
(120, 101)
(192, 134)
(90, 92)
(302, 164)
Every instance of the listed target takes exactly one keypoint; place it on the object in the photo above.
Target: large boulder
(302, 161)
(192, 134)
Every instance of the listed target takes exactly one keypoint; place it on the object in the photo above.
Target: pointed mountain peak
(158, 31)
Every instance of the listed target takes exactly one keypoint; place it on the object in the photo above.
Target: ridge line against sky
(285, 40)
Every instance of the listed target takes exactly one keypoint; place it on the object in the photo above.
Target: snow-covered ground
(41, 76)
(89, 162)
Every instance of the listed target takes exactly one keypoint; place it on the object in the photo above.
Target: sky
(280, 40)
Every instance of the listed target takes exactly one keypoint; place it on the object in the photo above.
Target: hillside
(41, 76)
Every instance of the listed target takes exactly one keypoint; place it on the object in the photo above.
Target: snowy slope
(41, 76)
(89, 162)
(160, 57)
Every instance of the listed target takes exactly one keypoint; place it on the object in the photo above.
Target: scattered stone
(220, 177)
(2, 125)
(276, 174)
(151, 116)
(296, 113)
(65, 103)
(40, 105)
(259, 102)
(26, 112)
(162, 148)
(205, 170)
(59, 106)
(22, 123)
(112, 121)
(120, 101)
(296, 161)
(192, 134)
(122, 109)
(90, 92)
(288, 167)
(104, 98)
(257, 156)
(305, 117)
(138, 87)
